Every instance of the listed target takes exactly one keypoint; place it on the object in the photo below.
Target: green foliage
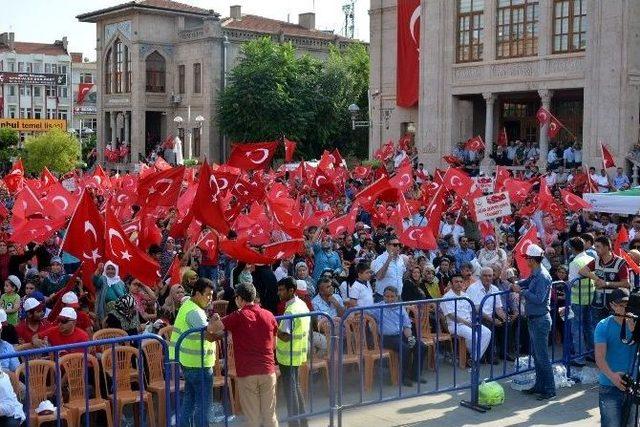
(190, 162)
(88, 144)
(8, 137)
(55, 149)
(274, 93)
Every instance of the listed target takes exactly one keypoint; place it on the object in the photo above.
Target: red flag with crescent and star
(83, 90)
(519, 251)
(256, 155)
(572, 202)
(408, 53)
(419, 238)
(554, 127)
(160, 188)
(474, 144)
(607, 158)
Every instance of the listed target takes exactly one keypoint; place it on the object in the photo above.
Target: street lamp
(354, 111)
(180, 124)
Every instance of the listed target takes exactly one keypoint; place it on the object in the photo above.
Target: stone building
(160, 59)
(486, 65)
(83, 80)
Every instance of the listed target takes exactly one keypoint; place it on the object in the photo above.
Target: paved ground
(575, 406)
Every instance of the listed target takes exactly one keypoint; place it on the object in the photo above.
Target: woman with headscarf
(109, 287)
(55, 280)
(490, 254)
(124, 316)
(169, 309)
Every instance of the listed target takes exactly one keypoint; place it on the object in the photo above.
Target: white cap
(69, 313)
(301, 285)
(45, 405)
(70, 298)
(3, 317)
(534, 250)
(16, 282)
(30, 304)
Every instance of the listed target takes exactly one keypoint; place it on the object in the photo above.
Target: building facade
(486, 65)
(83, 87)
(35, 80)
(158, 60)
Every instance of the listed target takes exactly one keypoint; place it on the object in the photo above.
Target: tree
(8, 137)
(274, 93)
(55, 149)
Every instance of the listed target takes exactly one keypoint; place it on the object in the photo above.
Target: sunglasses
(64, 321)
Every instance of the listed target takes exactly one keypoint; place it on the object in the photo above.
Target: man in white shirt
(634, 231)
(458, 314)
(360, 292)
(283, 269)
(389, 267)
(11, 412)
(568, 157)
(493, 314)
(419, 220)
(450, 227)
(577, 154)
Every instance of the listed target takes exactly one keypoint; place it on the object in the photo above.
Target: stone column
(112, 124)
(545, 97)
(490, 99)
(127, 135)
(489, 32)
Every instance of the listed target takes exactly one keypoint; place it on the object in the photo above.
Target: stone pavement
(575, 406)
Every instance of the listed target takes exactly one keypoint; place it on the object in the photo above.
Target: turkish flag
(27, 205)
(408, 53)
(57, 297)
(361, 172)
(519, 251)
(47, 179)
(238, 250)
(173, 274)
(14, 180)
(403, 179)
(102, 178)
(554, 127)
(434, 212)
(289, 149)
(502, 174)
(286, 215)
(131, 259)
(458, 181)
(59, 199)
(367, 196)
(486, 229)
(502, 138)
(250, 156)
(452, 160)
(206, 204)
(85, 234)
(630, 262)
(385, 152)
(161, 164)
(543, 116)
(419, 238)
(572, 202)
(36, 230)
(208, 243)
(83, 91)
(344, 224)
(518, 190)
(474, 144)
(160, 188)
(283, 250)
(607, 158)
(545, 198)
(621, 238)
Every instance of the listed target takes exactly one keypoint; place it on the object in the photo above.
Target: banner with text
(492, 206)
(484, 183)
(33, 125)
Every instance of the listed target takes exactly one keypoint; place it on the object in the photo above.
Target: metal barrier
(41, 357)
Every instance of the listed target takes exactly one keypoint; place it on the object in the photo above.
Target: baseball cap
(16, 282)
(618, 295)
(69, 313)
(70, 298)
(534, 250)
(30, 304)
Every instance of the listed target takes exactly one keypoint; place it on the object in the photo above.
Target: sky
(48, 20)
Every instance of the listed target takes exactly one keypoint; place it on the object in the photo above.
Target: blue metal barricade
(41, 365)
(372, 334)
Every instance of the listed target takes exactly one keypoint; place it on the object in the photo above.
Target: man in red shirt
(84, 322)
(65, 332)
(253, 330)
(34, 322)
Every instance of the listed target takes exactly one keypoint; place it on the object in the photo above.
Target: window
(197, 78)
(51, 113)
(569, 25)
(1, 65)
(63, 69)
(36, 91)
(517, 29)
(12, 112)
(119, 71)
(127, 60)
(196, 142)
(51, 91)
(11, 65)
(62, 115)
(155, 70)
(107, 72)
(25, 113)
(470, 27)
(54, 68)
(47, 68)
(37, 67)
(29, 67)
(21, 67)
(184, 142)
(63, 92)
(12, 90)
(37, 113)
(25, 90)
(86, 78)
(181, 77)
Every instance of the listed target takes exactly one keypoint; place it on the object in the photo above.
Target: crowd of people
(371, 264)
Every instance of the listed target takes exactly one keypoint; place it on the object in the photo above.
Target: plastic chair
(104, 334)
(126, 357)
(316, 361)
(42, 385)
(219, 382)
(155, 383)
(73, 366)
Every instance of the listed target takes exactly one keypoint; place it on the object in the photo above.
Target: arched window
(107, 72)
(119, 70)
(156, 66)
(127, 59)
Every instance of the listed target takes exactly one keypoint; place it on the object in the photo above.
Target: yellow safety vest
(193, 345)
(294, 352)
(582, 292)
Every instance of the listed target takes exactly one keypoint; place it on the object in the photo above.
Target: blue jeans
(582, 331)
(612, 408)
(539, 329)
(196, 400)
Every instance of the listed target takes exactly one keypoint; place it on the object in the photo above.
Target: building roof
(26, 48)
(273, 26)
(157, 5)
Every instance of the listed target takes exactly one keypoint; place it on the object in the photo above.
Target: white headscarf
(111, 280)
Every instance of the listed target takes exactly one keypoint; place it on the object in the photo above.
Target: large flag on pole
(408, 54)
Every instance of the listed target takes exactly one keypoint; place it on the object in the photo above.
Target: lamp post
(188, 127)
(354, 111)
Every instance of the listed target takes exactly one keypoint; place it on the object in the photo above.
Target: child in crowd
(10, 300)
